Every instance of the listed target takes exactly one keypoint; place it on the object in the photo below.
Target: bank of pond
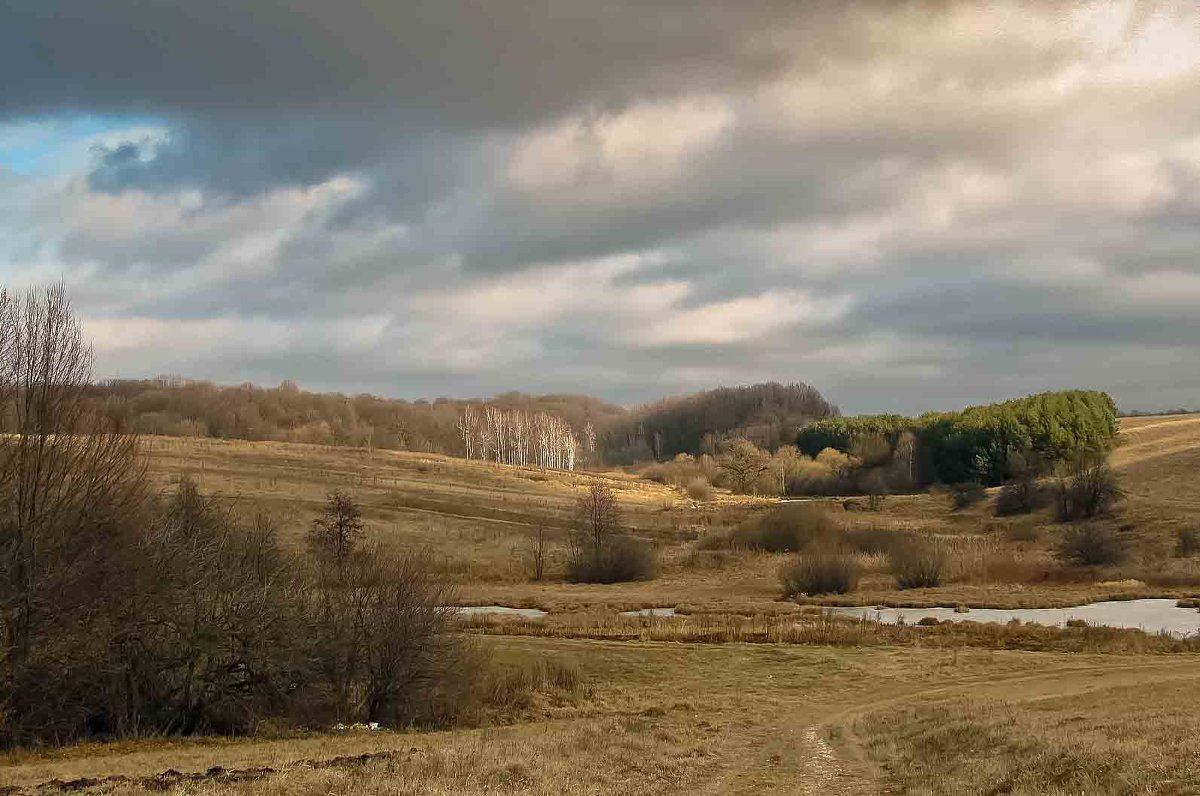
(1148, 615)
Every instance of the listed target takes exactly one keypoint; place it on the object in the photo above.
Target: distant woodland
(580, 428)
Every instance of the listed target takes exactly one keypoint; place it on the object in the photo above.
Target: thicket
(125, 613)
(978, 444)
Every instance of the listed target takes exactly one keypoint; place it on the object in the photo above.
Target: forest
(981, 444)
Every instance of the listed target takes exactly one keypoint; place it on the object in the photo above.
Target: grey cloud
(874, 153)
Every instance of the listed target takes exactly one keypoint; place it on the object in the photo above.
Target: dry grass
(733, 695)
(476, 520)
(661, 718)
(1128, 739)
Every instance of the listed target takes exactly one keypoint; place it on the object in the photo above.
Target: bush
(820, 572)
(919, 563)
(1088, 490)
(699, 489)
(789, 528)
(598, 551)
(620, 559)
(1187, 542)
(871, 540)
(1020, 497)
(1091, 546)
(967, 494)
(1022, 533)
(713, 541)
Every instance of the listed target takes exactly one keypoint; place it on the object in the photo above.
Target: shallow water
(650, 612)
(1151, 616)
(502, 610)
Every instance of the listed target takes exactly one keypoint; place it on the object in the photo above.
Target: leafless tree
(336, 533)
(468, 429)
(743, 462)
(589, 443)
(520, 438)
(61, 466)
(597, 519)
(538, 549)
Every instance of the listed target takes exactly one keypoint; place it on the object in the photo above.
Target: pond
(499, 610)
(1151, 616)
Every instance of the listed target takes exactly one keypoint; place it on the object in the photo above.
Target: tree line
(983, 444)
(513, 427)
(173, 406)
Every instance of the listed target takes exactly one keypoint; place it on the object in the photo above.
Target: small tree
(1089, 489)
(337, 532)
(743, 462)
(597, 518)
(599, 552)
(537, 552)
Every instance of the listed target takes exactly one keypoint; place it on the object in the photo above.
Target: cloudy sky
(907, 205)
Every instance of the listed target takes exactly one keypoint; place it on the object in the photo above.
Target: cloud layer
(910, 206)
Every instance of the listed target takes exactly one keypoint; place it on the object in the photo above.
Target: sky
(908, 205)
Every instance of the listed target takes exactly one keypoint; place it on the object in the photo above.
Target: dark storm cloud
(909, 205)
(473, 63)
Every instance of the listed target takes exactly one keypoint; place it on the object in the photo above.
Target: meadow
(743, 692)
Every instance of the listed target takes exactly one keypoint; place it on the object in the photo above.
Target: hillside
(770, 414)
(847, 707)
(1159, 461)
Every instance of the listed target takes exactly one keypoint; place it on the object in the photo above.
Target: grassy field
(746, 693)
(475, 521)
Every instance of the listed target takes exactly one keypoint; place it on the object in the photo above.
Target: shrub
(1020, 497)
(1091, 546)
(598, 552)
(1088, 490)
(1022, 533)
(699, 489)
(919, 563)
(872, 540)
(967, 494)
(787, 529)
(713, 540)
(657, 473)
(619, 560)
(820, 572)
(1187, 542)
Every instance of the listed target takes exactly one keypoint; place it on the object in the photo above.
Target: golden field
(745, 693)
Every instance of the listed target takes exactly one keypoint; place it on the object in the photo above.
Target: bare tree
(589, 443)
(337, 532)
(538, 549)
(598, 550)
(743, 462)
(61, 466)
(597, 517)
(468, 429)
